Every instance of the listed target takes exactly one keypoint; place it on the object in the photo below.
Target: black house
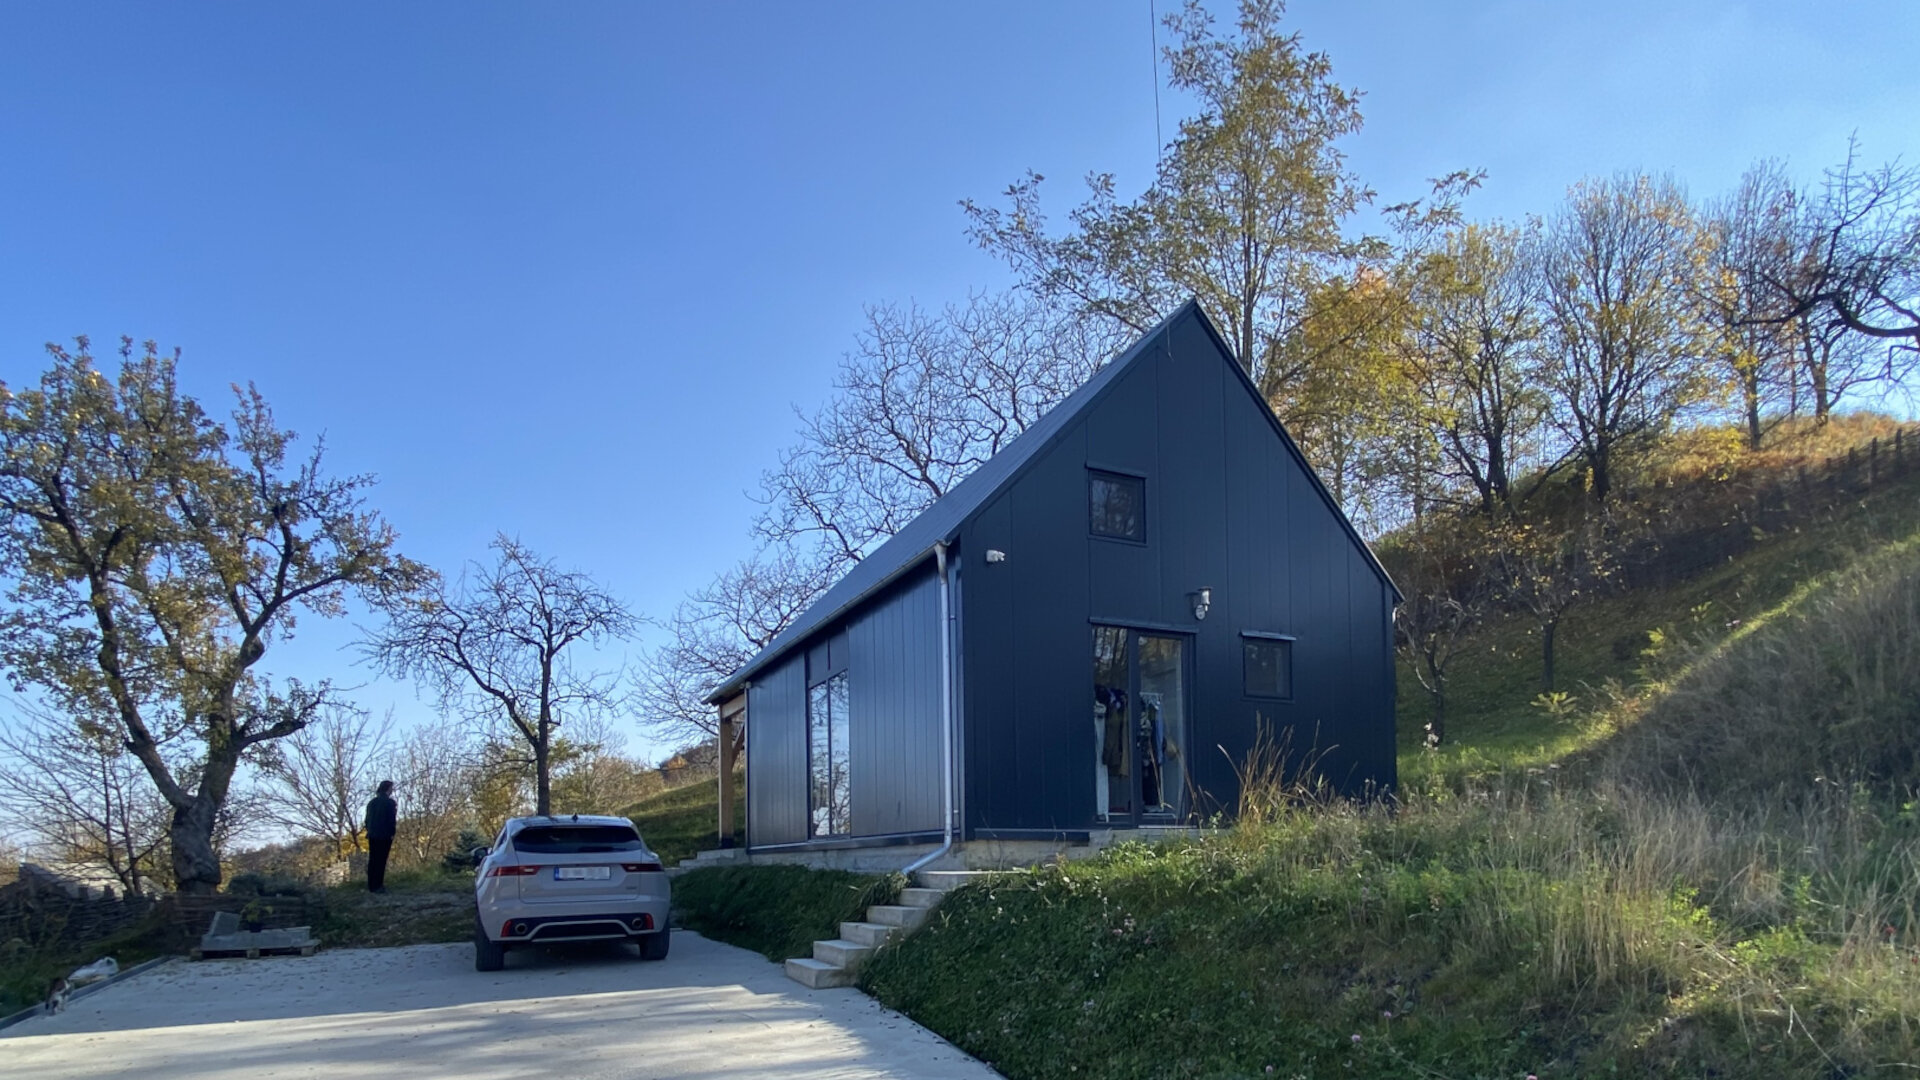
(1085, 634)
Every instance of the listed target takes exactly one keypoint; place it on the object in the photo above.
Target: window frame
(826, 671)
(1250, 638)
(1095, 474)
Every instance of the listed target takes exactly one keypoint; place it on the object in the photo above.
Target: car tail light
(513, 871)
(641, 867)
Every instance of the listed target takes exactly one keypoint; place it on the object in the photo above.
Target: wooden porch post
(732, 713)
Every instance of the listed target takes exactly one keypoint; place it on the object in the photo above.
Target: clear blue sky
(564, 270)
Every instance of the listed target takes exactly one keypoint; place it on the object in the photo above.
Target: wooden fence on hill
(42, 910)
(1809, 494)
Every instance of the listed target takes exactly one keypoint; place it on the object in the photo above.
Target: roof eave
(737, 682)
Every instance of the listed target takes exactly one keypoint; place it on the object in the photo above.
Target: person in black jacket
(382, 820)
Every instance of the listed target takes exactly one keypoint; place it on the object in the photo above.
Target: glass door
(1139, 726)
(1160, 730)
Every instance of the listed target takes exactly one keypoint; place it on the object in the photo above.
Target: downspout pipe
(946, 710)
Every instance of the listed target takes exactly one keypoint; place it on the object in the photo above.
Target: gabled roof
(915, 542)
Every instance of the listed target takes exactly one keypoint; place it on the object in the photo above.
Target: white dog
(104, 968)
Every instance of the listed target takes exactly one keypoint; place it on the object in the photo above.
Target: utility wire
(1153, 35)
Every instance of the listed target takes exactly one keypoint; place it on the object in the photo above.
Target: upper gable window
(1117, 505)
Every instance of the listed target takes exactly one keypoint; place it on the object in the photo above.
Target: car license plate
(582, 873)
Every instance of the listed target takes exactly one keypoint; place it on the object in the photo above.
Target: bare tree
(1833, 363)
(504, 645)
(80, 796)
(1622, 353)
(1547, 572)
(715, 631)
(1860, 259)
(436, 768)
(919, 404)
(317, 780)
(1750, 237)
(1442, 568)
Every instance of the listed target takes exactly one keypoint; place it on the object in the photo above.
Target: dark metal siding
(777, 753)
(893, 683)
(1228, 507)
(893, 697)
(987, 645)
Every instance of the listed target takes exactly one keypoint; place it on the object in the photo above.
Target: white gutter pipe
(946, 710)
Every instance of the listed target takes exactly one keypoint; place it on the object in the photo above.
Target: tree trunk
(542, 782)
(1751, 392)
(1822, 404)
(1497, 482)
(196, 866)
(1602, 474)
(1546, 655)
(1437, 727)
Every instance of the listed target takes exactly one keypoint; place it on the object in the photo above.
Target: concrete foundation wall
(973, 855)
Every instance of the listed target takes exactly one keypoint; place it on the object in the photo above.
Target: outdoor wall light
(1202, 600)
(996, 555)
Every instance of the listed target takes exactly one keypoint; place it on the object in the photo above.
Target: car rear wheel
(654, 946)
(488, 954)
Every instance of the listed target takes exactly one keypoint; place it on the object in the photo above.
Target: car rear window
(576, 839)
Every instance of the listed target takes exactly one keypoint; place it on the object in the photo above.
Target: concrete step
(948, 880)
(866, 933)
(906, 918)
(920, 897)
(842, 953)
(818, 974)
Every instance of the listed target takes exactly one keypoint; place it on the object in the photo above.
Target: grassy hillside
(1612, 645)
(1704, 864)
(681, 822)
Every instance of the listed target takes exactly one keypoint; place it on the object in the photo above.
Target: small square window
(1117, 505)
(1269, 667)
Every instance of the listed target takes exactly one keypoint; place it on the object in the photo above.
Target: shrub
(268, 883)
(459, 857)
(777, 911)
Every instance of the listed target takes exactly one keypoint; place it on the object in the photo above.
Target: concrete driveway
(422, 1012)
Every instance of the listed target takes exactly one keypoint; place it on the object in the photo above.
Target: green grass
(420, 907)
(684, 821)
(1493, 939)
(777, 911)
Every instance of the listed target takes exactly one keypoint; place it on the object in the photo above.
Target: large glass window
(828, 773)
(1117, 505)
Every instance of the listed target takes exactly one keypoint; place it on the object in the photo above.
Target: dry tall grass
(1732, 879)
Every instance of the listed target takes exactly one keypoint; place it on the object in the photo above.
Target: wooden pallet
(253, 954)
(226, 939)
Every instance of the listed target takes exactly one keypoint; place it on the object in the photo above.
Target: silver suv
(572, 878)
